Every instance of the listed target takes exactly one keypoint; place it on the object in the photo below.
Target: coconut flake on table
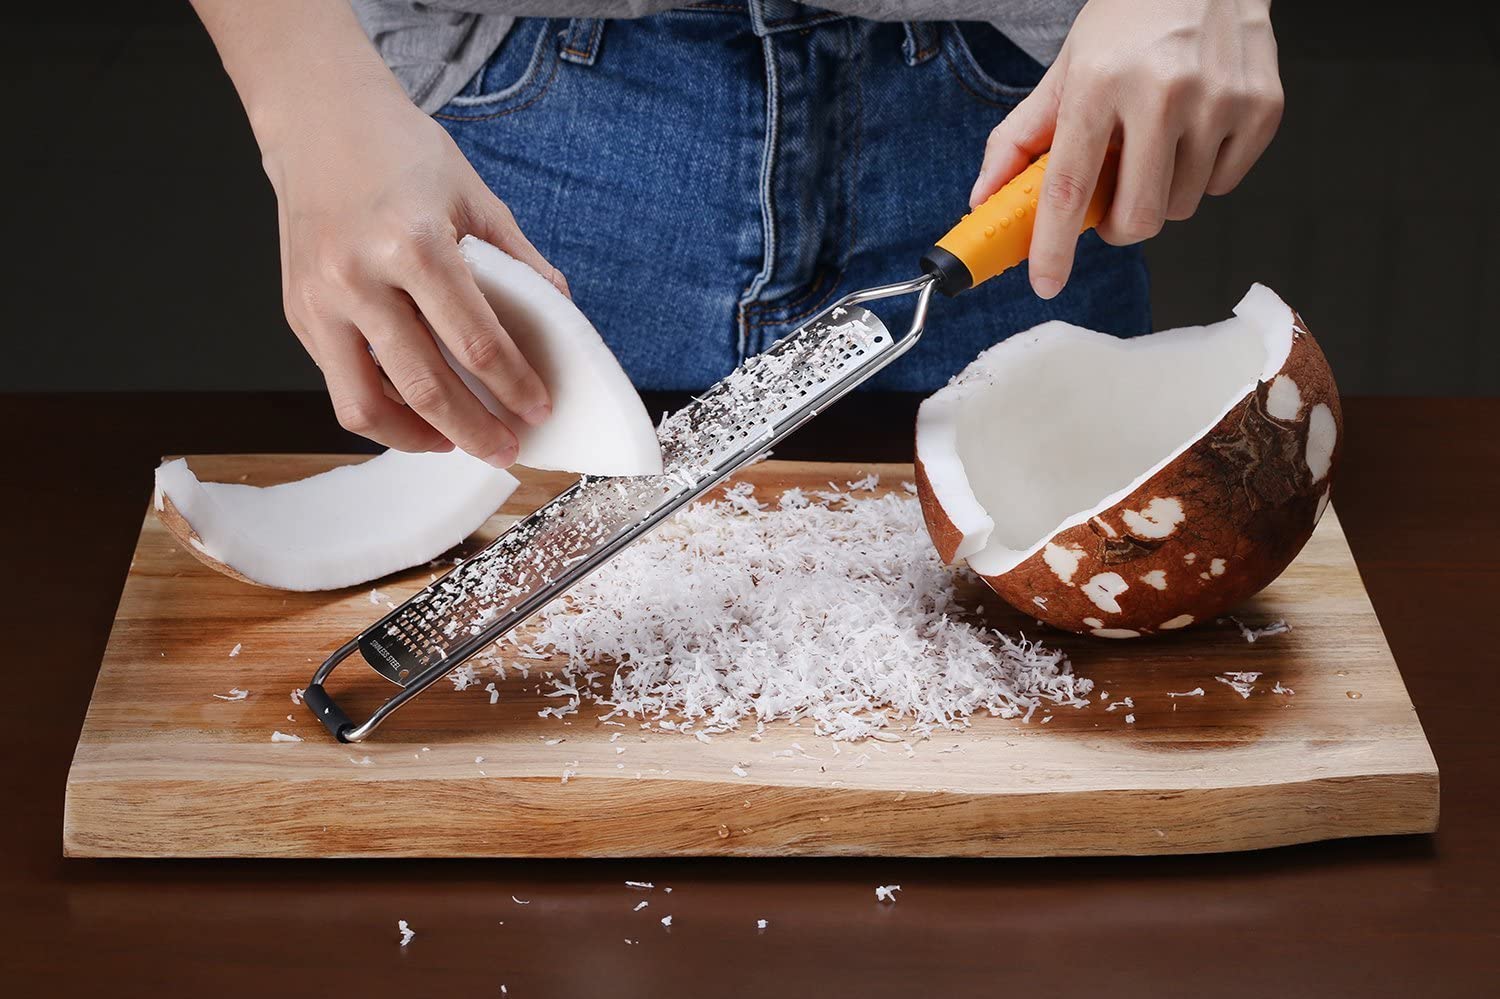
(666, 921)
(1253, 634)
(236, 650)
(297, 695)
(1241, 682)
(669, 620)
(761, 924)
(886, 893)
(406, 932)
(285, 737)
(1195, 692)
(1279, 689)
(639, 906)
(235, 694)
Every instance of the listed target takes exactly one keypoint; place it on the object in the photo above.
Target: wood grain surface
(165, 768)
(1380, 916)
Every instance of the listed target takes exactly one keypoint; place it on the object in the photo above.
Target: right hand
(372, 202)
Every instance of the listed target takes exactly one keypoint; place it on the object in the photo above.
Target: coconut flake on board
(1253, 634)
(669, 621)
(1242, 682)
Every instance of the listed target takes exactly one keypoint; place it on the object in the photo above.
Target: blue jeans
(710, 177)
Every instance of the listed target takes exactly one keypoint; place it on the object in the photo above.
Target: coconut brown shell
(1248, 503)
(177, 525)
(945, 536)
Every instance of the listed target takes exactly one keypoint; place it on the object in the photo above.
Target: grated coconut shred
(829, 606)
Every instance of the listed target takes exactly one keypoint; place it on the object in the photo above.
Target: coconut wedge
(1122, 487)
(598, 426)
(345, 526)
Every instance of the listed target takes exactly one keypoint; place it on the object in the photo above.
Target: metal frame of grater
(442, 626)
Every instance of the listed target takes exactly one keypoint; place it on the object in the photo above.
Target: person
(708, 177)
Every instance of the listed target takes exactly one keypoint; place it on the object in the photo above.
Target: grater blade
(542, 556)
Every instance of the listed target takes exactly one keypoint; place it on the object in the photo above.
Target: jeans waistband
(767, 17)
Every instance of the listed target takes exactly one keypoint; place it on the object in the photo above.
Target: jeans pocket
(987, 64)
(516, 76)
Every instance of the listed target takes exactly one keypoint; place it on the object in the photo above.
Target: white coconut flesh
(1053, 425)
(598, 426)
(345, 526)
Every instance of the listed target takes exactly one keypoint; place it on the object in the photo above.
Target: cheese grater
(772, 394)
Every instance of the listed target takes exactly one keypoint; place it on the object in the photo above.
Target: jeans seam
(994, 99)
(546, 86)
(816, 307)
(761, 308)
(766, 198)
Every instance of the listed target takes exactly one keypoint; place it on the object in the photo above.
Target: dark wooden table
(1419, 498)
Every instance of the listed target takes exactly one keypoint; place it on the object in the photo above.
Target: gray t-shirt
(435, 48)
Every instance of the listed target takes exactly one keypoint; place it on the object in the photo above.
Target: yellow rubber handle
(997, 235)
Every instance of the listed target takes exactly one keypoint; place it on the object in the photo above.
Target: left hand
(1187, 90)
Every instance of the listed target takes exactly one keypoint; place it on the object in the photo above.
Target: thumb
(491, 220)
(1021, 136)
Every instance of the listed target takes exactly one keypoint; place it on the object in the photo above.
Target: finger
(1078, 151)
(1246, 143)
(411, 359)
(1197, 152)
(491, 220)
(1142, 186)
(455, 308)
(354, 386)
(1236, 157)
(1021, 137)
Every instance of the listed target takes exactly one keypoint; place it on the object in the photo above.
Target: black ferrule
(952, 273)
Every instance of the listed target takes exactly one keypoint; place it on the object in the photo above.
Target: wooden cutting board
(164, 768)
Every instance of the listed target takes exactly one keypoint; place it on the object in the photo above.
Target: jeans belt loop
(580, 42)
(921, 41)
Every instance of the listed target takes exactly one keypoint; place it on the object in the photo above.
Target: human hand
(372, 201)
(1187, 91)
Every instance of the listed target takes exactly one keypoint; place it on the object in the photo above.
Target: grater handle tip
(327, 711)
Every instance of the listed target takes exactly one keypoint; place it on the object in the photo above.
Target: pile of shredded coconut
(831, 606)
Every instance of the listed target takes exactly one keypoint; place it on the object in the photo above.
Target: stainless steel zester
(772, 394)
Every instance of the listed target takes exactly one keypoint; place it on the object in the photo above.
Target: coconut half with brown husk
(1123, 487)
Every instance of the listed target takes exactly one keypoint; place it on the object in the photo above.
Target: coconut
(346, 526)
(598, 426)
(1123, 487)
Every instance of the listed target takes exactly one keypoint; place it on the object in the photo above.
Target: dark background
(143, 234)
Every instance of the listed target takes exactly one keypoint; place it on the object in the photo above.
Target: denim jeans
(710, 177)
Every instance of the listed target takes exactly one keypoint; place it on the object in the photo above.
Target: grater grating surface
(541, 556)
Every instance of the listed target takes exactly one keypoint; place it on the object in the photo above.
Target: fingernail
(1045, 287)
(537, 415)
(503, 458)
